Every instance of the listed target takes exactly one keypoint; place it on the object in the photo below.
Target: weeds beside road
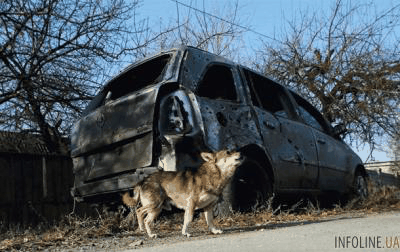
(111, 232)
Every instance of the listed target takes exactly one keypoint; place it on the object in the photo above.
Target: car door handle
(321, 141)
(269, 125)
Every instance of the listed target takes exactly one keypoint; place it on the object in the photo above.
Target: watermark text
(368, 242)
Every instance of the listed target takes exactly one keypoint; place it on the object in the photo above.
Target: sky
(266, 17)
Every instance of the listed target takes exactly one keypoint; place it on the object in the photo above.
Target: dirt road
(378, 232)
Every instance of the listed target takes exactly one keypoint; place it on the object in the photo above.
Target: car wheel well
(362, 170)
(257, 154)
(252, 184)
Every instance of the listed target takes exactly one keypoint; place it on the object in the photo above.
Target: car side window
(308, 118)
(309, 114)
(266, 94)
(218, 83)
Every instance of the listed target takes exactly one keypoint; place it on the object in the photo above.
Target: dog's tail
(129, 201)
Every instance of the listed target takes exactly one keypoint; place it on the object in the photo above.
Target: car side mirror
(339, 129)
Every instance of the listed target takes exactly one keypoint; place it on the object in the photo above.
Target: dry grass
(118, 232)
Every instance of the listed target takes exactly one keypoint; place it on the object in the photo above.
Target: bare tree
(396, 148)
(53, 55)
(216, 30)
(396, 154)
(393, 149)
(347, 65)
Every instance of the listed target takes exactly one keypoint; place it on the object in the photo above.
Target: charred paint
(162, 112)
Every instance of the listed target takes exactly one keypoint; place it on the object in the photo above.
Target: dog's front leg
(188, 217)
(209, 215)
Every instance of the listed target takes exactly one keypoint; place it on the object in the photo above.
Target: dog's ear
(207, 156)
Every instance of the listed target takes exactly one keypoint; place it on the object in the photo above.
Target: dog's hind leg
(208, 214)
(151, 216)
(188, 217)
(140, 216)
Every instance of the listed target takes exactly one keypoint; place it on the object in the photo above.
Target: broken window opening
(310, 115)
(218, 83)
(143, 75)
(266, 94)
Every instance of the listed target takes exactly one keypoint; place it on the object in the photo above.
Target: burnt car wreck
(160, 113)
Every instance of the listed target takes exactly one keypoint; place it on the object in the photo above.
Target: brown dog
(188, 190)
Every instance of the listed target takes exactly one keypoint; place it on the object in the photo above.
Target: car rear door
(290, 144)
(334, 161)
(334, 157)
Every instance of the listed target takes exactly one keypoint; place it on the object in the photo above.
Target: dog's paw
(153, 236)
(216, 231)
(186, 234)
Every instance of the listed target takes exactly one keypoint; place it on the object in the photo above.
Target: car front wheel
(251, 186)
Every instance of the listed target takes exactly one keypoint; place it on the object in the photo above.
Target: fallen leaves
(110, 231)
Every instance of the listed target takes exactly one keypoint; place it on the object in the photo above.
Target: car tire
(360, 185)
(249, 189)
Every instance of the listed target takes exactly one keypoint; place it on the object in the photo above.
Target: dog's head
(224, 160)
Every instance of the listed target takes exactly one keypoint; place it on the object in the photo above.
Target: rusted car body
(160, 113)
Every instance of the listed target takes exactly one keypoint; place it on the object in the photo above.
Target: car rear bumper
(119, 183)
